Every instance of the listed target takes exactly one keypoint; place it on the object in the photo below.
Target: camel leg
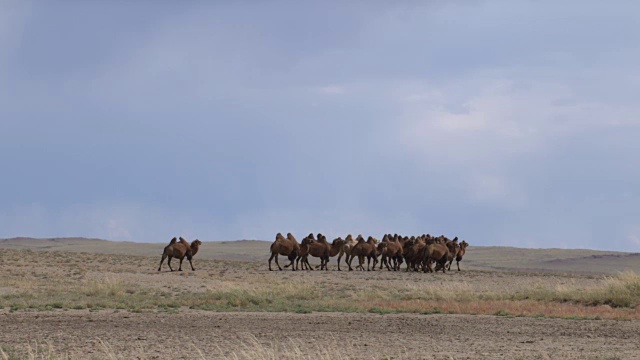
(271, 258)
(180, 267)
(169, 263)
(339, 257)
(348, 260)
(375, 262)
(458, 263)
(164, 256)
(190, 263)
(277, 263)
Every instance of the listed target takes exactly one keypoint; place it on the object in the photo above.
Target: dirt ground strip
(201, 334)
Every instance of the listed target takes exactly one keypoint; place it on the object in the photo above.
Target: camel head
(306, 241)
(337, 242)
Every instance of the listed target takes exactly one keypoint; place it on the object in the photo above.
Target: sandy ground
(201, 334)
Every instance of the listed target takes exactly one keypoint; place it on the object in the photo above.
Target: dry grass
(246, 347)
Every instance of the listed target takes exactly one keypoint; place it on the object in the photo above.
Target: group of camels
(418, 252)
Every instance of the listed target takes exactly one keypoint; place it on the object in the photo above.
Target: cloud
(332, 90)
(511, 125)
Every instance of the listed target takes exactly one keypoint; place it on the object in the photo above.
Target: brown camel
(437, 253)
(412, 251)
(320, 248)
(453, 247)
(366, 249)
(180, 250)
(301, 260)
(390, 250)
(288, 247)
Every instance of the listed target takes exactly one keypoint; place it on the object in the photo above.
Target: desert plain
(75, 298)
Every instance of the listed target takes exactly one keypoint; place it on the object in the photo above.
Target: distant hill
(477, 257)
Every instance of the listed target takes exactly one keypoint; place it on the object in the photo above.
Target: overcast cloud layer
(502, 122)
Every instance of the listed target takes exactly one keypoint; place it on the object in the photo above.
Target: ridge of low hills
(477, 257)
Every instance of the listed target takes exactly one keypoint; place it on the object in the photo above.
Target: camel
(288, 247)
(412, 251)
(390, 250)
(320, 248)
(437, 253)
(366, 249)
(300, 262)
(459, 254)
(180, 250)
(347, 249)
(452, 246)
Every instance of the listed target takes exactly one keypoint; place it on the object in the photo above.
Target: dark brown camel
(180, 250)
(288, 247)
(412, 253)
(366, 249)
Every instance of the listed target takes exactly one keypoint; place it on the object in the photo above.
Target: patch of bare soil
(202, 334)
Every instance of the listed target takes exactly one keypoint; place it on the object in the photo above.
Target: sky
(511, 123)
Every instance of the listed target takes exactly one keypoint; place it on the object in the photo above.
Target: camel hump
(173, 241)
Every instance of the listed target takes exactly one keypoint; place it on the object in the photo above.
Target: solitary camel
(180, 250)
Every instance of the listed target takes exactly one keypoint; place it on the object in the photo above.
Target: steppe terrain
(87, 298)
